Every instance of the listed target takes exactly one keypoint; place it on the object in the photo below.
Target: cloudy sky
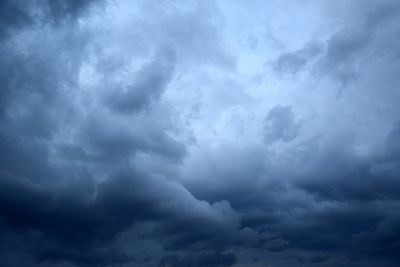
(201, 133)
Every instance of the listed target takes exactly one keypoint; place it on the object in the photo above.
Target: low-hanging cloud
(175, 134)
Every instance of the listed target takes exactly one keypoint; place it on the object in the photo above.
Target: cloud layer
(199, 133)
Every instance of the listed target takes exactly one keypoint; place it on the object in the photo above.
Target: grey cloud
(74, 219)
(14, 14)
(97, 169)
(360, 38)
(95, 257)
(48, 189)
(340, 57)
(199, 259)
(20, 14)
(328, 210)
(280, 125)
(381, 242)
(120, 143)
(59, 9)
(277, 244)
(342, 50)
(323, 197)
(289, 63)
(344, 45)
(352, 178)
(147, 85)
(293, 62)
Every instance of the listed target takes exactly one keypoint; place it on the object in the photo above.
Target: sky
(200, 133)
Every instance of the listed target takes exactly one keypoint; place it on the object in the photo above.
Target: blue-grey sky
(208, 133)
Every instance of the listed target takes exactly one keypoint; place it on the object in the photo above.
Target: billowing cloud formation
(199, 133)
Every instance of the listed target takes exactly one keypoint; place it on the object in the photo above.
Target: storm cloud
(199, 133)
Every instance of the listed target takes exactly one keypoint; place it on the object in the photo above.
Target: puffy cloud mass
(199, 133)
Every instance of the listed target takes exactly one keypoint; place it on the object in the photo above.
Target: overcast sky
(208, 133)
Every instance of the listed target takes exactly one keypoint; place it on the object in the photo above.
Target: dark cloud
(14, 14)
(120, 146)
(17, 14)
(119, 143)
(61, 9)
(148, 85)
(362, 37)
(277, 244)
(280, 125)
(199, 259)
(73, 221)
